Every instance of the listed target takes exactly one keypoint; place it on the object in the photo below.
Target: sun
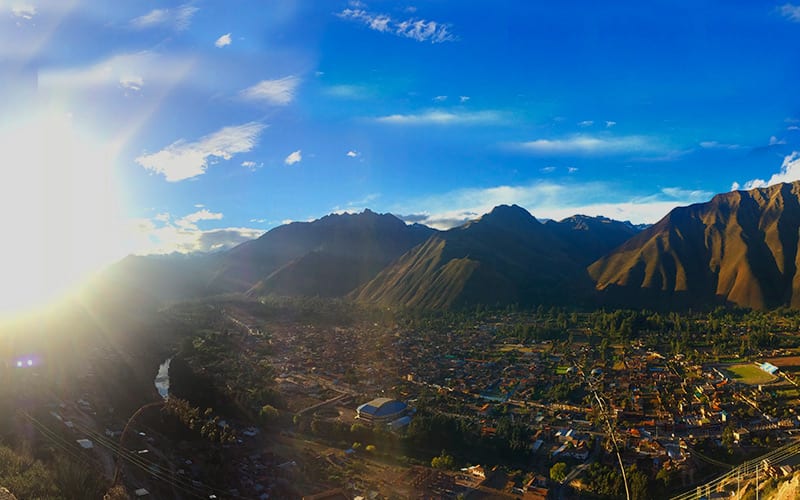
(60, 208)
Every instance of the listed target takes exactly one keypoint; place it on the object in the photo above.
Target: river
(162, 379)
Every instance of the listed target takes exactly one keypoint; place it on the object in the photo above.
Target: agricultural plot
(787, 363)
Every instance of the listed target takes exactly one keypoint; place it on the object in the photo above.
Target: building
(381, 411)
(769, 368)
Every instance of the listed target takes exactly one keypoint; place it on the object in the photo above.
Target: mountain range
(738, 248)
(506, 256)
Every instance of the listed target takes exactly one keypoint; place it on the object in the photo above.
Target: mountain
(327, 257)
(149, 280)
(506, 256)
(741, 247)
(587, 238)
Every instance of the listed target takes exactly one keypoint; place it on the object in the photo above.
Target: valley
(515, 375)
(514, 392)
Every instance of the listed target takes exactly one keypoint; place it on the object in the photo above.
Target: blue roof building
(769, 368)
(381, 410)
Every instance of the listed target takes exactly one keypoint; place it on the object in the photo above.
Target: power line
(614, 441)
(134, 458)
(62, 443)
(744, 470)
(138, 460)
(102, 441)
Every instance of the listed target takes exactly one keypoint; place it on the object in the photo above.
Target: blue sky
(184, 126)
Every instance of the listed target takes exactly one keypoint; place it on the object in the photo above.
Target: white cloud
(251, 165)
(463, 98)
(152, 18)
(572, 170)
(346, 91)
(547, 170)
(178, 18)
(24, 11)
(423, 31)
(420, 30)
(718, 145)
(183, 160)
(131, 82)
(774, 141)
(610, 123)
(440, 98)
(789, 172)
(279, 92)
(791, 12)
(352, 154)
(690, 195)
(190, 221)
(545, 200)
(160, 235)
(379, 23)
(586, 123)
(128, 71)
(357, 206)
(223, 41)
(442, 118)
(591, 145)
(793, 127)
(294, 157)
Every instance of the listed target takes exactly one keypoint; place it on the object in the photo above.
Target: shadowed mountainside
(327, 257)
(506, 256)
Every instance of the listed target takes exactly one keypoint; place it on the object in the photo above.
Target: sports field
(748, 373)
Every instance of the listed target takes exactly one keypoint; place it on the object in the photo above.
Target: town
(528, 404)
(327, 400)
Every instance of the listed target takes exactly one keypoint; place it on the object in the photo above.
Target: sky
(154, 127)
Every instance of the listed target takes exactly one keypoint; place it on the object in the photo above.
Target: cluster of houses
(658, 403)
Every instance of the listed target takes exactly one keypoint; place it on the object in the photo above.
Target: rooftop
(381, 407)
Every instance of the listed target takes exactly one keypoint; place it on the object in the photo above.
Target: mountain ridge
(740, 247)
(506, 256)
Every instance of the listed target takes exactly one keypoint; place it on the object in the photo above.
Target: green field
(749, 374)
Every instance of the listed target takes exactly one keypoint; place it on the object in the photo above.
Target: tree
(558, 472)
(116, 493)
(443, 461)
(727, 437)
(268, 414)
(666, 477)
(639, 484)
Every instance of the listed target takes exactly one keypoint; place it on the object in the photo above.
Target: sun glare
(59, 206)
